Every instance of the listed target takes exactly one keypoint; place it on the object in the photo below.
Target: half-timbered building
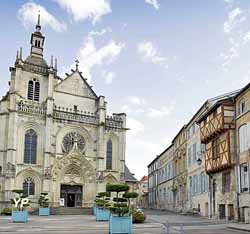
(217, 133)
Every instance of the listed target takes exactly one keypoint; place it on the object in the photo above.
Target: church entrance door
(72, 195)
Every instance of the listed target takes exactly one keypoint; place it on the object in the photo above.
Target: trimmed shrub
(6, 211)
(138, 216)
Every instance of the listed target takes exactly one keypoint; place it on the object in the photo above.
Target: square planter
(120, 225)
(102, 214)
(44, 211)
(19, 216)
(94, 210)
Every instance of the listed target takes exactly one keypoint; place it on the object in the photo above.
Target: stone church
(55, 134)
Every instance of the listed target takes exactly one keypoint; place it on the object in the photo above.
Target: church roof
(81, 76)
(36, 60)
(129, 177)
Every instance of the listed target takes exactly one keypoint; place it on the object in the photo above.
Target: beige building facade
(242, 102)
(165, 179)
(56, 135)
(180, 171)
(197, 184)
(142, 189)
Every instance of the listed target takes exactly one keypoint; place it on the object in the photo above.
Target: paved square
(86, 224)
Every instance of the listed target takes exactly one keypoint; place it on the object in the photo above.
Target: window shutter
(194, 153)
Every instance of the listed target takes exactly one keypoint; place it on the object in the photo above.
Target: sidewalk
(239, 226)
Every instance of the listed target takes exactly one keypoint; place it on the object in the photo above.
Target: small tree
(121, 205)
(130, 196)
(21, 201)
(43, 200)
(102, 200)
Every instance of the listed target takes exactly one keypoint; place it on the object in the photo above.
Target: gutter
(237, 166)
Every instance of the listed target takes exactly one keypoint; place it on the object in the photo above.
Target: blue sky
(157, 60)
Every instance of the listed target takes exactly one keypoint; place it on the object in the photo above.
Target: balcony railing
(114, 122)
(69, 115)
(66, 114)
(31, 107)
(35, 68)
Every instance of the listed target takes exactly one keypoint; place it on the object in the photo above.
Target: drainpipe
(237, 167)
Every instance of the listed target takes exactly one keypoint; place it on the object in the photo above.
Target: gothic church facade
(55, 134)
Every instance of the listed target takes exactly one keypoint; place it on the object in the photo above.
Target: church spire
(37, 40)
(38, 24)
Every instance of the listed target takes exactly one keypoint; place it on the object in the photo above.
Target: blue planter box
(45, 211)
(94, 210)
(102, 214)
(120, 225)
(19, 216)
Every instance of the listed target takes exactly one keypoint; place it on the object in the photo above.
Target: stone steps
(70, 211)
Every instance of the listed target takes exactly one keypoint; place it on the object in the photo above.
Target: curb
(239, 229)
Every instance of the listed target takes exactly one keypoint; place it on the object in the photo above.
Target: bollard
(167, 228)
(163, 229)
(181, 229)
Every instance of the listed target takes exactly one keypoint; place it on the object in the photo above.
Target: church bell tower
(37, 41)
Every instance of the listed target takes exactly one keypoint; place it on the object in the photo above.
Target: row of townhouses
(205, 170)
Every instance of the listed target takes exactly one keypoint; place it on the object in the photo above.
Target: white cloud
(235, 17)
(149, 53)
(228, 57)
(82, 10)
(154, 3)
(28, 14)
(160, 113)
(89, 55)
(108, 76)
(135, 126)
(100, 33)
(126, 109)
(136, 100)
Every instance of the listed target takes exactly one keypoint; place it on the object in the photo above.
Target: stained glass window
(109, 155)
(30, 147)
(29, 186)
(70, 139)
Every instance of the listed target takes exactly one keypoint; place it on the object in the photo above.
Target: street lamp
(210, 192)
(199, 160)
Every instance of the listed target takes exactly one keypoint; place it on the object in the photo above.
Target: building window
(30, 147)
(243, 137)
(189, 156)
(194, 185)
(109, 155)
(194, 153)
(203, 182)
(30, 90)
(75, 108)
(226, 178)
(242, 106)
(216, 148)
(37, 91)
(33, 90)
(244, 178)
(202, 150)
(28, 187)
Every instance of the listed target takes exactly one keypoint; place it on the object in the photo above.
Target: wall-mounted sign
(61, 201)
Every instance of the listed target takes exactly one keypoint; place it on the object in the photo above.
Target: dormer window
(242, 106)
(33, 90)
